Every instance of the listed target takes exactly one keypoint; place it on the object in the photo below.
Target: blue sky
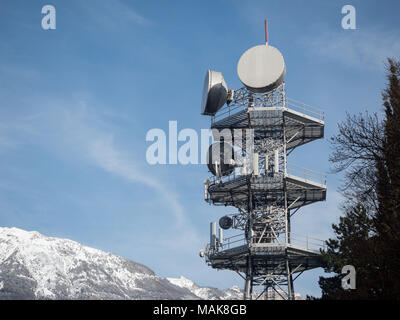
(77, 102)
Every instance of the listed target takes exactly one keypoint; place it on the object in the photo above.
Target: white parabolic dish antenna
(261, 68)
(215, 92)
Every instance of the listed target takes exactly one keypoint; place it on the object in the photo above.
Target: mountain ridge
(33, 266)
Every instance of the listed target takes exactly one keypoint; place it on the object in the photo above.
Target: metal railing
(305, 108)
(307, 242)
(214, 179)
(232, 242)
(291, 169)
(296, 240)
(226, 111)
(289, 103)
(306, 174)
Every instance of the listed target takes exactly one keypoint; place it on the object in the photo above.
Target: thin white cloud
(78, 132)
(82, 133)
(361, 48)
(102, 151)
(106, 156)
(108, 13)
(134, 16)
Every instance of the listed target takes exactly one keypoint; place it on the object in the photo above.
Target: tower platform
(300, 127)
(233, 190)
(267, 258)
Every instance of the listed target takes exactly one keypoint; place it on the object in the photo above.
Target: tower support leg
(249, 281)
(289, 282)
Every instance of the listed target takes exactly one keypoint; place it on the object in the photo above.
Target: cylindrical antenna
(213, 235)
(266, 32)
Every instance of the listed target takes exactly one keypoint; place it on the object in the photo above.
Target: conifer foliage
(367, 149)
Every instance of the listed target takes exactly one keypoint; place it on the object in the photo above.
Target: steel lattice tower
(266, 191)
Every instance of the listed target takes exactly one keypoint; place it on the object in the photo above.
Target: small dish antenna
(225, 222)
(262, 68)
(215, 92)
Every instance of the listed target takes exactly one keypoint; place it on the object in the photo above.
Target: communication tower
(251, 174)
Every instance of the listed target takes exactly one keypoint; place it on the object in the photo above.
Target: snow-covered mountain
(208, 293)
(33, 266)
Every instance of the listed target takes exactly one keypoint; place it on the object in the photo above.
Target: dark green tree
(368, 235)
(387, 218)
(355, 244)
